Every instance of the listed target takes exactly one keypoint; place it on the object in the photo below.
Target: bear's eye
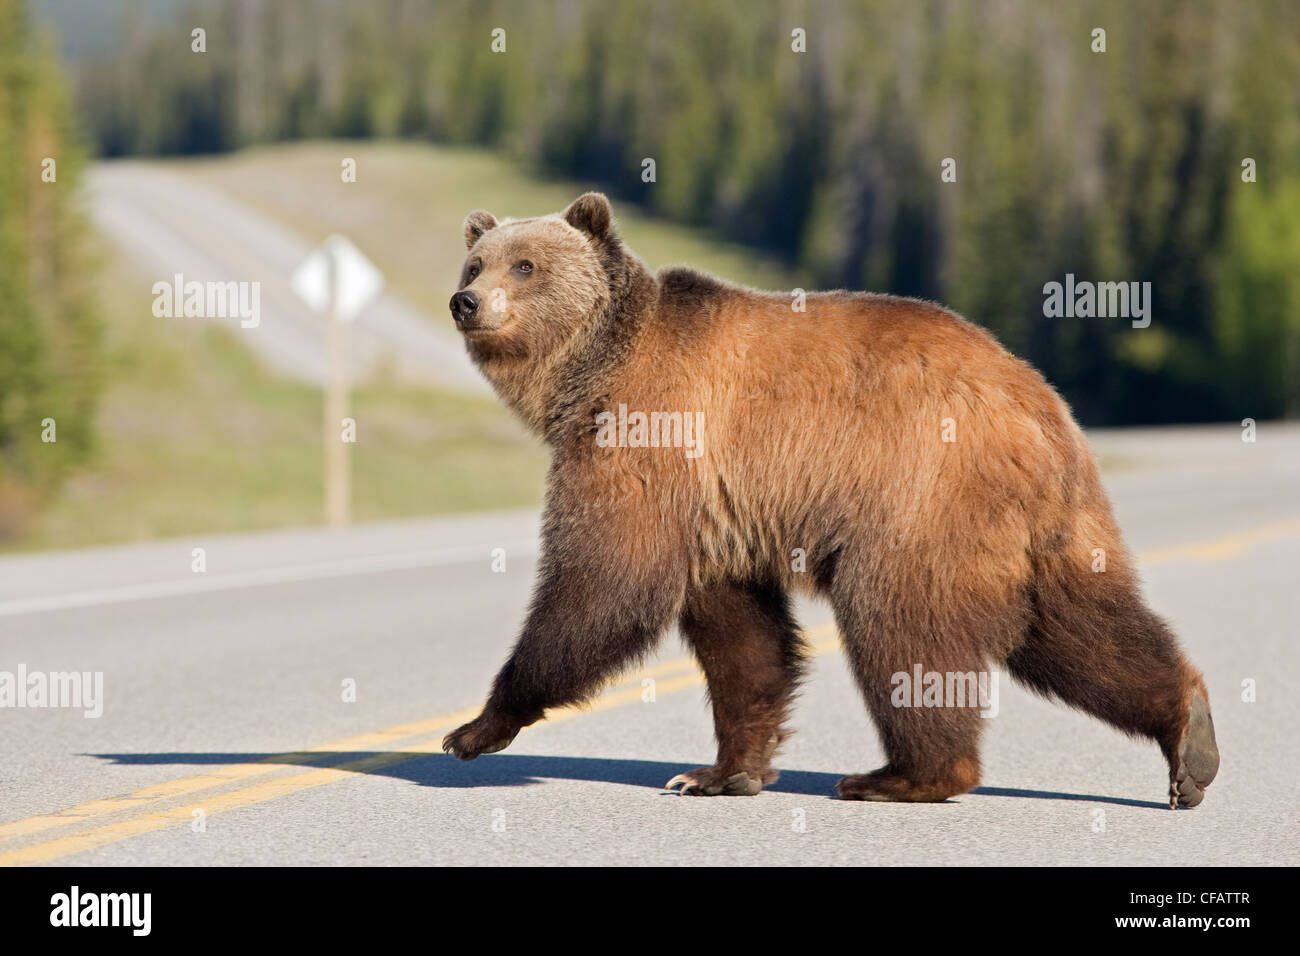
(524, 266)
(474, 270)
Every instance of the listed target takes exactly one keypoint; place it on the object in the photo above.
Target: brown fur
(822, 433)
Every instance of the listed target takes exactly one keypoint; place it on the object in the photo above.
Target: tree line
(1163, 149)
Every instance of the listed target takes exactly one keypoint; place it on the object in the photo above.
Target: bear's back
(847, 342)
(859, 399)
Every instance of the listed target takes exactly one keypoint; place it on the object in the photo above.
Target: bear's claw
(482, 735)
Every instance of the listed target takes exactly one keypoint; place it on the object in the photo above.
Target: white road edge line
(343, 567)
(201, 583)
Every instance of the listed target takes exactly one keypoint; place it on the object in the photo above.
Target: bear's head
(530, 286)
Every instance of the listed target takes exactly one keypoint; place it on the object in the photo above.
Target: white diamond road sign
(358, 280)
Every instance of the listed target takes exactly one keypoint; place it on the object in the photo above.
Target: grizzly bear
(933, 487)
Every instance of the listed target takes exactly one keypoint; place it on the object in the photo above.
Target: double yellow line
(425, 736)
(1224, 547)
(87, 831)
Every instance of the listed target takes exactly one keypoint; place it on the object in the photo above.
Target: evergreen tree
(49, 333)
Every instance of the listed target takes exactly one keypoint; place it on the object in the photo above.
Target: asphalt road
(225, 738)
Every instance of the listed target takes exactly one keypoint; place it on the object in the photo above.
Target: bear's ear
(590, 212)
(477, 223)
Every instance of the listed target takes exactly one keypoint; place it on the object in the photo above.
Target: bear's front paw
(485, 734)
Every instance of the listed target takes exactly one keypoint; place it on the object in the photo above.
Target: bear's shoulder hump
(686, 288)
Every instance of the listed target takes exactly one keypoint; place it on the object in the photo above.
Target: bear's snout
(464, 306)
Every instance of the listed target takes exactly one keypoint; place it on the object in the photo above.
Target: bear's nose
(463, 306)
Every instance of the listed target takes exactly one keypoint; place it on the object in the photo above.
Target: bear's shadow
(520, 770)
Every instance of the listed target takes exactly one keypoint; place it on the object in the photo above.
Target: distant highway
(164, 224)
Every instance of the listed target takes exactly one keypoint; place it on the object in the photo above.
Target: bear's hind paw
(1198, 758)
(888, 785)
(712, 782)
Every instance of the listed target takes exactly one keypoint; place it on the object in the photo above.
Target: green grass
(195, 436)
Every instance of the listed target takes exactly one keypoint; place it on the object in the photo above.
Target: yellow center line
(1216, 549)
(283, 786)
(232, 773)
(228, 774)
(1224, 547)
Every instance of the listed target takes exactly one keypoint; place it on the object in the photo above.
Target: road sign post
(338, 280)
(338, 460)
